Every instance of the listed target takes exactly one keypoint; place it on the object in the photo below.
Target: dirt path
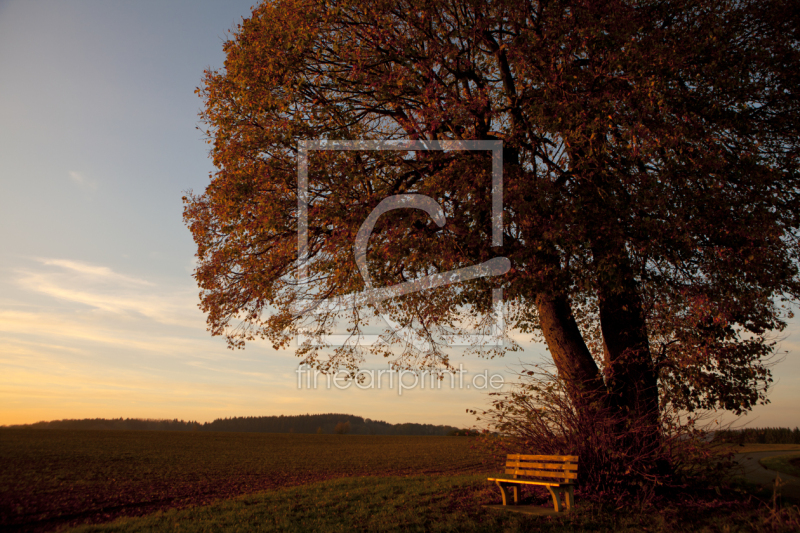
(753, 471)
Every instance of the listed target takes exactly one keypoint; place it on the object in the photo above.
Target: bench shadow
(527, 509)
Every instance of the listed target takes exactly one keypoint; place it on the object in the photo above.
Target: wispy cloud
(101, 288)
(88, 331)
(81, 180)
(95, 271)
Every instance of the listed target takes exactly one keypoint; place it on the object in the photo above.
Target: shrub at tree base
(619, 454)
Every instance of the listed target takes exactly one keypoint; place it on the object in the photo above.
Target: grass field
(435, 504)
(54, 477)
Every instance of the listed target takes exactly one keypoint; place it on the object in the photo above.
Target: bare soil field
(55, 478)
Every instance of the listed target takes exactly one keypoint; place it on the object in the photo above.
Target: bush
(619, 455)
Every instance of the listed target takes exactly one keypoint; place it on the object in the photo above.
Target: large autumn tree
(650, 168)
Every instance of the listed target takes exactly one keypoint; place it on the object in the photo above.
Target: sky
(98, 308)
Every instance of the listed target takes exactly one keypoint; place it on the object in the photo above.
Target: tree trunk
(629, 372)
(570, 354)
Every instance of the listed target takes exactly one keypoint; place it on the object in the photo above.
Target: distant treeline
(759, 436)
(324, 423)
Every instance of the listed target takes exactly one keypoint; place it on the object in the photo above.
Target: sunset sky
(98, 309)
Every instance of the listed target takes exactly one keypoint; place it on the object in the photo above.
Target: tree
(650, 155)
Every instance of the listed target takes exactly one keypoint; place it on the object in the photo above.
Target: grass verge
(786, 464)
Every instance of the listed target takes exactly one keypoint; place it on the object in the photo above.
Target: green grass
(783, 463)
(430, 503)
(421, 503)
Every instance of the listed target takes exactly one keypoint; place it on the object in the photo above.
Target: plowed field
(52, 478)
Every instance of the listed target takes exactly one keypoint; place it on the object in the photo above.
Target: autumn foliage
(650, 173)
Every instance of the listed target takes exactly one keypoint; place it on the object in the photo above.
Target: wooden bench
(556, 472)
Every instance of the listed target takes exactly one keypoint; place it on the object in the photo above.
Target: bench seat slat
(550, 466)
(542, 473)
(529, 482)
(517, 456)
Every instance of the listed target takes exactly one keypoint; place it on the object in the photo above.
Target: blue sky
(98, 310)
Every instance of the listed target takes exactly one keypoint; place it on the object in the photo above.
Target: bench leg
(504, 492)
(556, 499)
(570, 498)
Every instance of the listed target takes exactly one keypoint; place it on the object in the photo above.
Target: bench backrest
(564, 468)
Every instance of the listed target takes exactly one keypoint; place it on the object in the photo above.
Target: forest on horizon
(307, 423)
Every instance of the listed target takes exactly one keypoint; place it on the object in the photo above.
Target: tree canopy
(650, 174)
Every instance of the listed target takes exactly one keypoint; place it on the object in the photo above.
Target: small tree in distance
(342, 428)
